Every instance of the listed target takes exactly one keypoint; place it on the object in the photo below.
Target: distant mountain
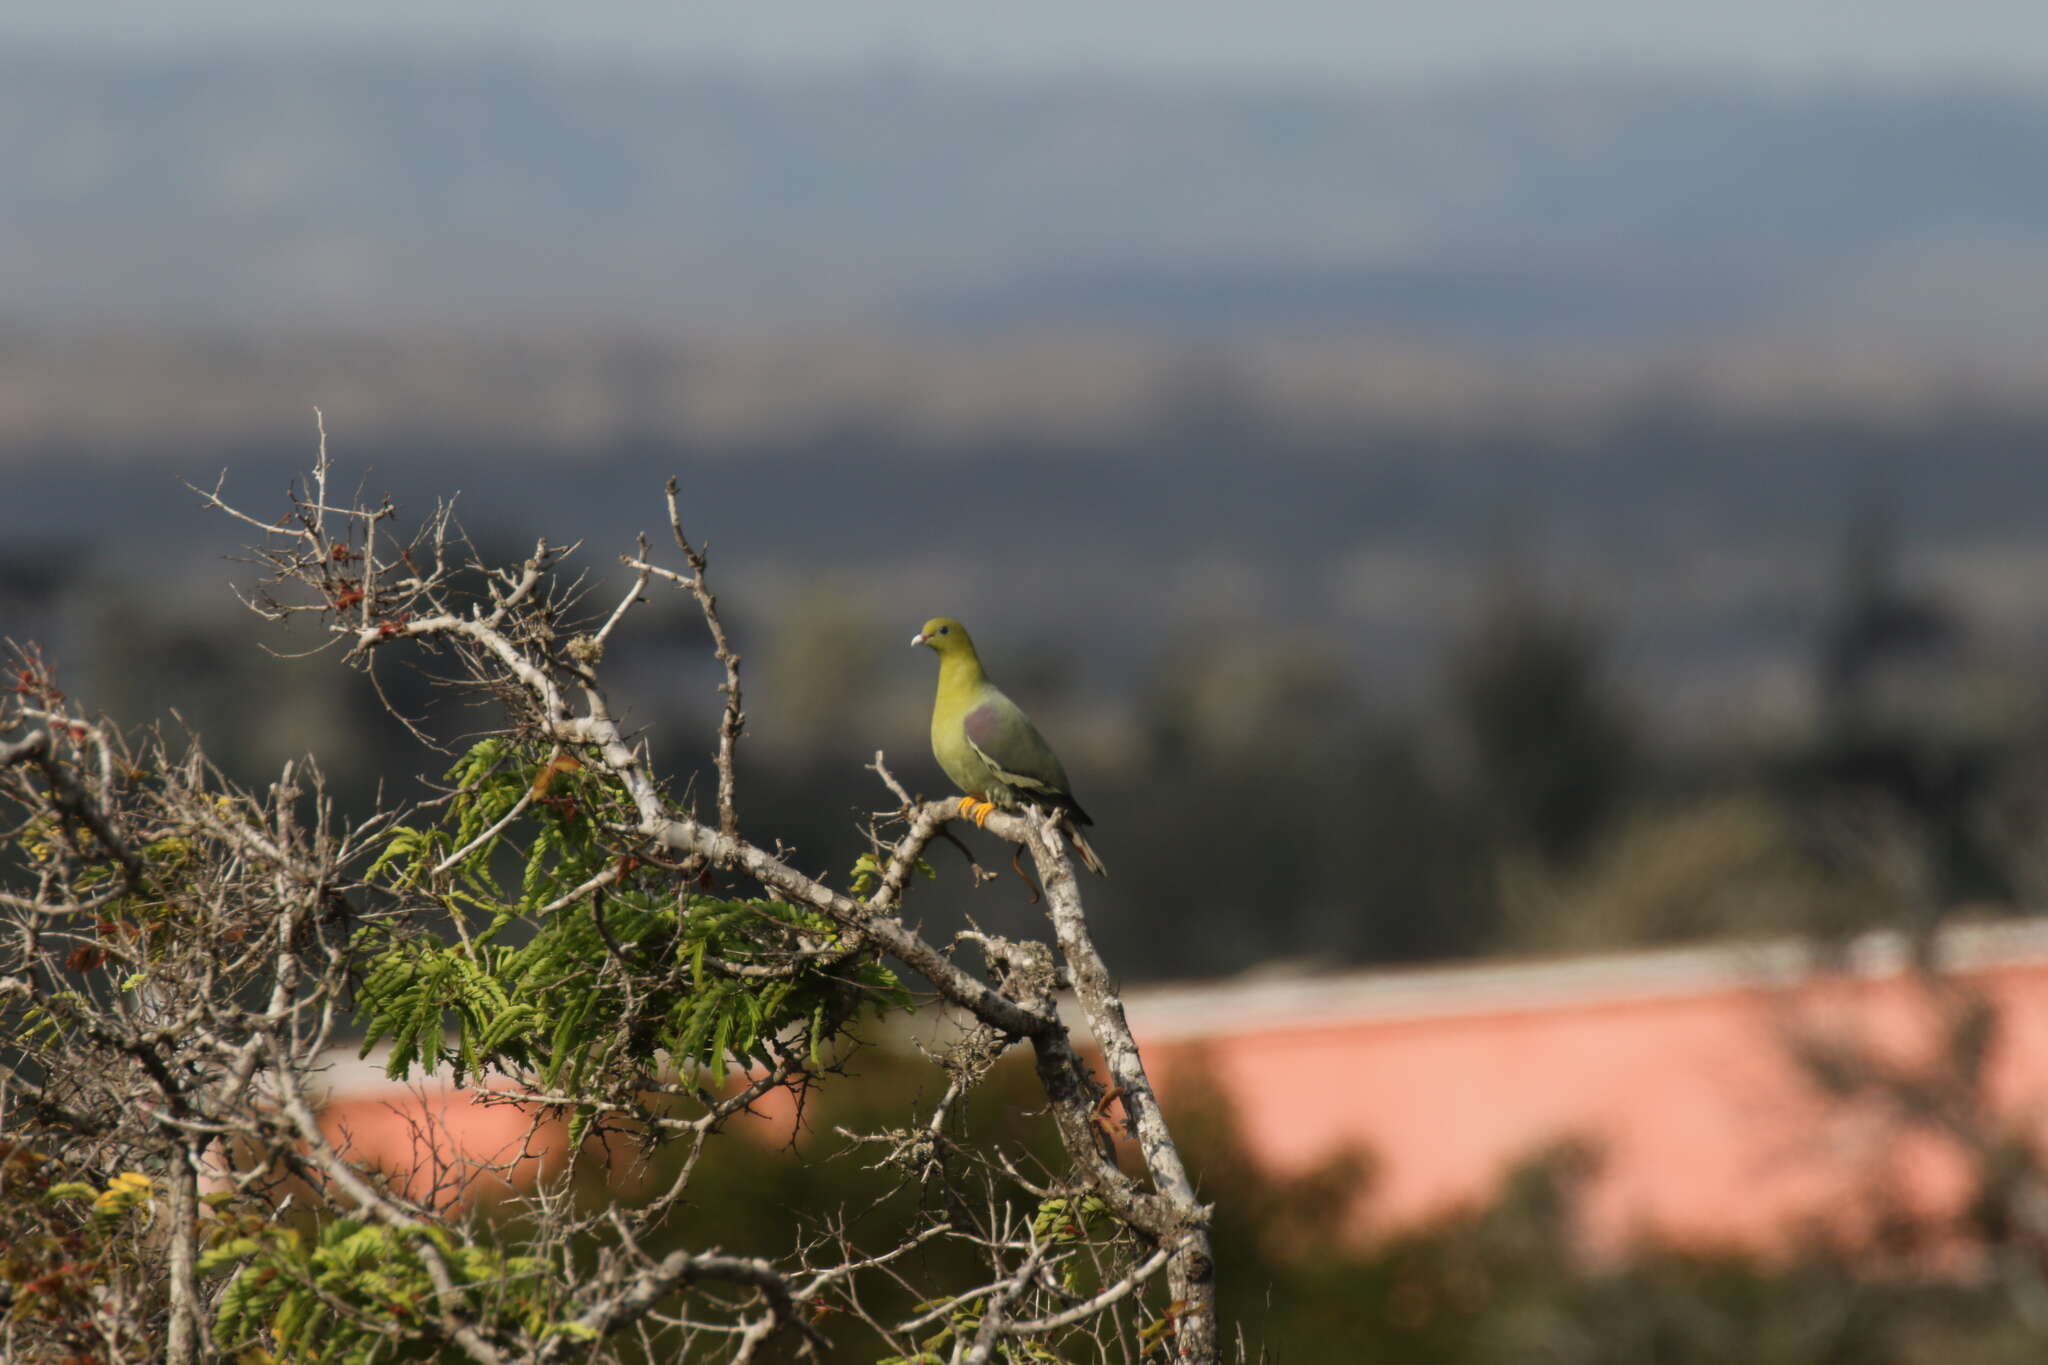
(358, 192)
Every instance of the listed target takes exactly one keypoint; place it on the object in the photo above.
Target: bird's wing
(999, 731)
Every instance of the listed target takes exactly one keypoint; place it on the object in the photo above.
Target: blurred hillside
(1628, 669)
(1105, 499)
(397, 192)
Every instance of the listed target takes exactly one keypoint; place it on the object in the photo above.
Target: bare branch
(1094, 1305)
(734, 718)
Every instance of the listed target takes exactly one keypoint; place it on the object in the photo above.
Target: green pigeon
(988, 746)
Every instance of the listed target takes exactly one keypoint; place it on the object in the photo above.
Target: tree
(556, 929)
(1552, 749)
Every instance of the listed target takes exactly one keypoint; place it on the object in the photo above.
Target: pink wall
(438, 1144)
(1706, 1129)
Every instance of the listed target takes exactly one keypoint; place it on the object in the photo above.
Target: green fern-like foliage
(355, 1293)
(593, 968)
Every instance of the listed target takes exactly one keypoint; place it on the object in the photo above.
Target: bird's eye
(945, 630)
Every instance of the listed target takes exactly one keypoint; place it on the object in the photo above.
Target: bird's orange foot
(977, 810)
(1103, 1123)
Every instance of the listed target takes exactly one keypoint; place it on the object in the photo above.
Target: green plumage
(986, 743)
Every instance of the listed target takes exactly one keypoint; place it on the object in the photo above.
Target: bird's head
(945, 635)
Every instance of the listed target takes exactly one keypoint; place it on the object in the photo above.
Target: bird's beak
(918, 638)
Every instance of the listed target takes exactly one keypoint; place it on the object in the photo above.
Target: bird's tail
(1089, 857)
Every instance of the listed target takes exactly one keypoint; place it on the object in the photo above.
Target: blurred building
(1747, 1097)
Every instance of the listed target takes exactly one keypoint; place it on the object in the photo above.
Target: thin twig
(734, 718)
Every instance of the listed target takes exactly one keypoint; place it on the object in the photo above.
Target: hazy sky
(1798, 40)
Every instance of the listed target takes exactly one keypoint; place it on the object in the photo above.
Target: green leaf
(228, 1253)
